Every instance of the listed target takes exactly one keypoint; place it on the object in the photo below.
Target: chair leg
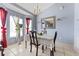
(2, 52)
(46, 46)
(42, 48)
(30, 47)
(54, 48)
(36, 50)
(52, 52)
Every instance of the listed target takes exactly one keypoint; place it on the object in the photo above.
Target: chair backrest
(55, 36)
(33, 37)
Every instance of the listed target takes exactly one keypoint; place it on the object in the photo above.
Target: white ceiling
(14, 8)
(28, 6)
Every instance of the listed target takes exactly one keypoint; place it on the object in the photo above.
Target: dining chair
(34, 41)
(1, 49)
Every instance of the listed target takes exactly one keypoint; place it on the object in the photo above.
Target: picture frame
(48, 22)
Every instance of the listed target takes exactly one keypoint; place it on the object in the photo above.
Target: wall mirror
(49, 22)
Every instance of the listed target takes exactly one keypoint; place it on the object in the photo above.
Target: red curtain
(27, 22)
(3, 14)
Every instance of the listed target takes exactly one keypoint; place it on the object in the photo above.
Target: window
(13, 19)
(12, 27)
(30, 25)
(21, 28)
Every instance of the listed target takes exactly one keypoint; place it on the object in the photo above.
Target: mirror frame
(43, 22)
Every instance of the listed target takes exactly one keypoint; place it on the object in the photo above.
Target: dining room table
(46, 40)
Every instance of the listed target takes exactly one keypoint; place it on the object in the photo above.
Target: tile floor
(20, 50)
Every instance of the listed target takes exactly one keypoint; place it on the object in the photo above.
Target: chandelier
(36, 9)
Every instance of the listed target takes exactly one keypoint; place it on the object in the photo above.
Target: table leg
(54, 49)
(52, 52)
(42, 48)
(30, 47)
(25, 44)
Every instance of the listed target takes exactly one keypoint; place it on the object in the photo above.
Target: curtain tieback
(3, 29)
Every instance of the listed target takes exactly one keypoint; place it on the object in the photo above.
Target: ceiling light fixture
(36, 9)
